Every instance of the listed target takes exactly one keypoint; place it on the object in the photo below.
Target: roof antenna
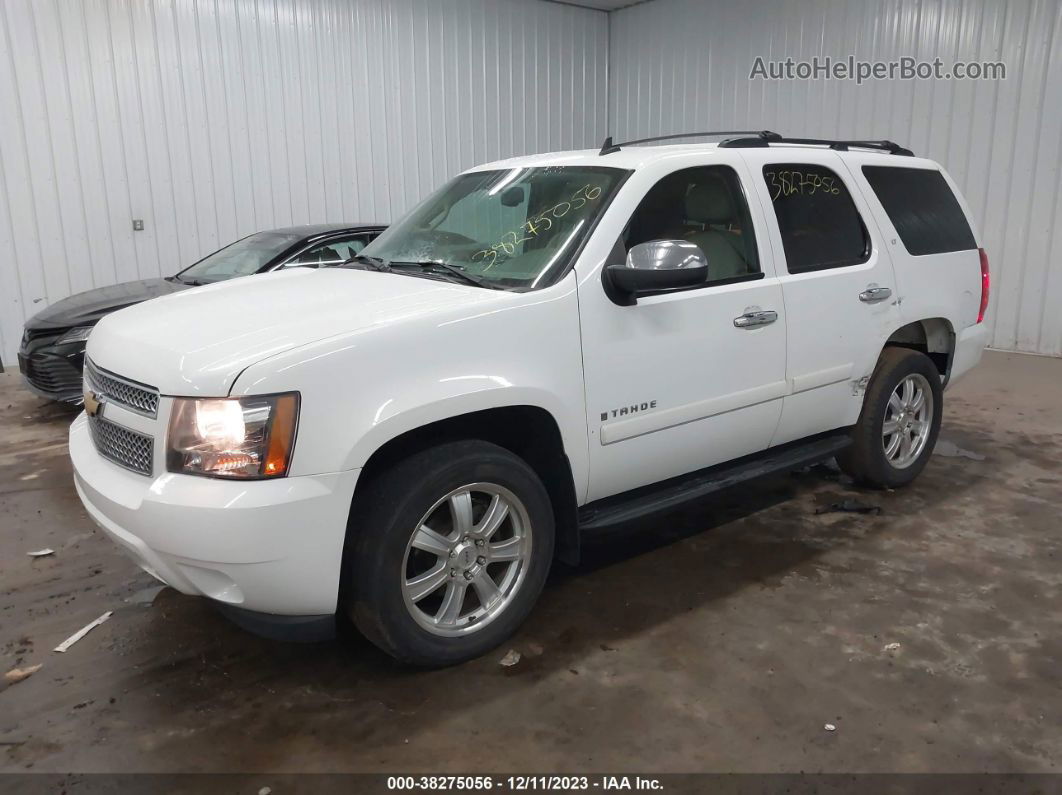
(608, 147)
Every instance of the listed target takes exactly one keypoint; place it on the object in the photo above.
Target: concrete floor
(721, 638)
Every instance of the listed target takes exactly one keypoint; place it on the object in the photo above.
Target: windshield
(515, 228)
(242, 258)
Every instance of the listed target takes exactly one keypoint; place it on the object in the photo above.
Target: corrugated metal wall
(210, 119)
(681, 65)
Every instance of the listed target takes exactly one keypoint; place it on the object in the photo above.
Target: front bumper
(54, 371)
(269, 546)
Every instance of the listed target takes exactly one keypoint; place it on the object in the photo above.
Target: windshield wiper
(460, 273)
(376, 263)
(190, 282)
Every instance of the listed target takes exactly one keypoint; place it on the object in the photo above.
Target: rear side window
(820, 225)
(923, 209)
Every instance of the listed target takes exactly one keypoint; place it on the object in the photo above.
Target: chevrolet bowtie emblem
(93, 405)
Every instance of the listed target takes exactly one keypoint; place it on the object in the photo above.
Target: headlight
(79, 334)
(242, 438)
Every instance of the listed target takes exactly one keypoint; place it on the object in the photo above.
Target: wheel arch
(528, 431)
(933, 336)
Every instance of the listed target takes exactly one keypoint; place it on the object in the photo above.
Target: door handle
(872, 295)
(755, 319)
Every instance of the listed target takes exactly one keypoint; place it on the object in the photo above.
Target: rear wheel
(452, 548)
(899, 423)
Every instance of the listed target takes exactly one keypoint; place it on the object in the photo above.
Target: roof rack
(608, 147)
(766, 138)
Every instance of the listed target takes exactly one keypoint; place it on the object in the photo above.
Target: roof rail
(767, 138)
(608, 147)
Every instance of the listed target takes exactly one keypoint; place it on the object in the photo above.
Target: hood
(84, 309)
(197, 342)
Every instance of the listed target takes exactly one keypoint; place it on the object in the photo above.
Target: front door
(684, 380)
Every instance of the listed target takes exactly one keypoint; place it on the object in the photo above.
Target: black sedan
(53, 344)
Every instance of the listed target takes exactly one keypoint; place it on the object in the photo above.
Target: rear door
(837, 281)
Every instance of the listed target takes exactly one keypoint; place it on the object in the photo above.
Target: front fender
(360, 391)
(397, 420)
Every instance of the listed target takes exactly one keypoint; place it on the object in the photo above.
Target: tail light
(985, 279)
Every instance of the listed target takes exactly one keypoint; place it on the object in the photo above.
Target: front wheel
(452, 548)
(899, 423)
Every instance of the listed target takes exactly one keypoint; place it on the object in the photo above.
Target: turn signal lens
(281, 436)
(239, 438)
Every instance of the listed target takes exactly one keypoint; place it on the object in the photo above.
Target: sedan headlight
(239, 438)
(79, 334)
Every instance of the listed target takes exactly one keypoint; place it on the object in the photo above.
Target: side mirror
(657, 265)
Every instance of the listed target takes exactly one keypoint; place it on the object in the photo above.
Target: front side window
(923, 209)
(242, 258)
(515, 228)
(820, 225)
(331, 252)
(706, 206)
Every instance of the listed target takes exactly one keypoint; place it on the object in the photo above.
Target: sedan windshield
(242, 258)
(514, 228)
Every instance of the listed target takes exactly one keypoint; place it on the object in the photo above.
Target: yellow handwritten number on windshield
(533, 227)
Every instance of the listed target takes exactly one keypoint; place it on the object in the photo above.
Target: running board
(672, 493)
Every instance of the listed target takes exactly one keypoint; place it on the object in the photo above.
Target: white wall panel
(210, 119)
(682, 65)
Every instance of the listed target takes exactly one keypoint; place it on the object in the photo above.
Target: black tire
(383, 520)
(865, 461)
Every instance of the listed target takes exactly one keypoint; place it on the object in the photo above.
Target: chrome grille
(126, 448)
(139, 398)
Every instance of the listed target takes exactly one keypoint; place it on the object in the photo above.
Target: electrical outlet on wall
(138, 224)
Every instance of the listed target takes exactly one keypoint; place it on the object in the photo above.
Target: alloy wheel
(466, 559)
(908, 420)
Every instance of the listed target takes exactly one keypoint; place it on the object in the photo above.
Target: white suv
(545, 346)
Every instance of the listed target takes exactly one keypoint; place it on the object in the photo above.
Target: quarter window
(820, 225)
(332, 252)
(706, 206)
(923, 209)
